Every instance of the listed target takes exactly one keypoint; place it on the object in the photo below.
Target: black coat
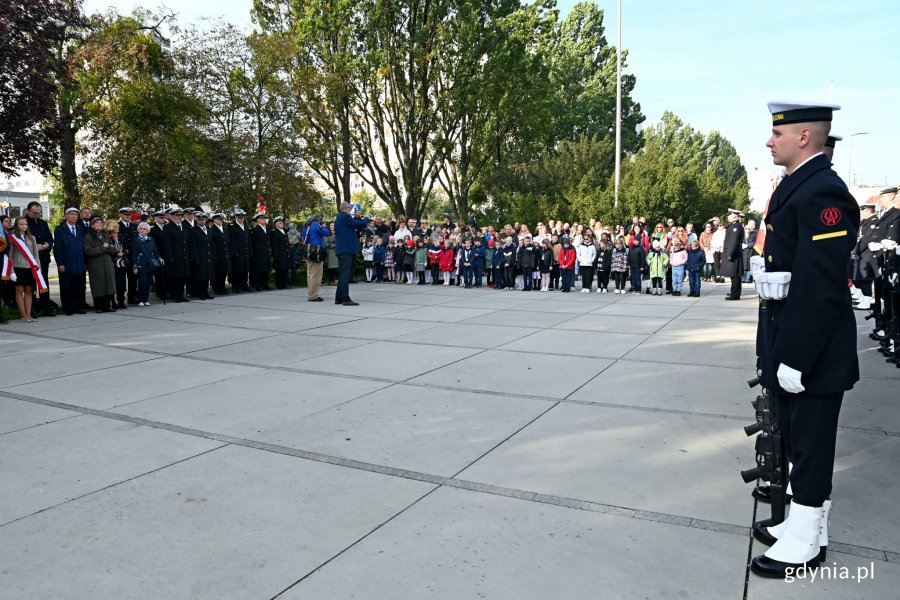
(604, 260)
(812, 226)
(733, 251)
(865, 265)
(239, 246)
(888, 229)
(156, 232)
(41, 232)
(279, 244)
(223, 251)
(260, 249)
(176, 251)
(203, 254)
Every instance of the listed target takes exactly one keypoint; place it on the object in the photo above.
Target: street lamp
(850, 156)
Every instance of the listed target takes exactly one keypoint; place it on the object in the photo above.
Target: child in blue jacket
(695, 263)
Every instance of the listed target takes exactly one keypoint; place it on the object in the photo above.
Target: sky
(716, 63)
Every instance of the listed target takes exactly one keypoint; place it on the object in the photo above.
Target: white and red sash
(35, 266)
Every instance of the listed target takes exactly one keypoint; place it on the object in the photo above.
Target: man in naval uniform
(239, 246)
(863, 259)
(733, 254)
(887, 228)
(828, 150)
(807, 337)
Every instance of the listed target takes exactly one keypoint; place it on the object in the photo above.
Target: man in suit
(68, 249)
(239, 246)
(44, 239)
(84, 218)
(807, 332)
(127, 233)
(346, 248)
(176, 251)
(222, 265)
(156, 232)
(733, 253)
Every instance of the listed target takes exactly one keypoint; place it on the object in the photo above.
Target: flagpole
(618, 107)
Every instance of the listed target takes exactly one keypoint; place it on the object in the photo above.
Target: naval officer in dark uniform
(733, 254)
(864, 264)
(807, 337)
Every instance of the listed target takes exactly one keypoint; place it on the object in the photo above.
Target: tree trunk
(346, 151)
(71, 194)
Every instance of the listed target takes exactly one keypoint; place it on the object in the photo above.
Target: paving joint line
(439, 480)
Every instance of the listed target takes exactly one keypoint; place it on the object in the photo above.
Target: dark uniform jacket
(203, 254)
(279, 243)
(733, 251)
(888, 228)
(864, 264)
(127, 233)
(812, 224)
(260, 249)
(176, 250)
(239, 246)
(222, 249)
(156, 232)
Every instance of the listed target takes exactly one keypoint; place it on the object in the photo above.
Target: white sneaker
(146, 304)
(446, 283)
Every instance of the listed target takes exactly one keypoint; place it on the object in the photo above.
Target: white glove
(893, 278)
(12, 276)
(874, 247)
(757, 264)
(789, 379)
(888, 244)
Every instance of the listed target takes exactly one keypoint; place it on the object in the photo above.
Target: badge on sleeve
(831, 216)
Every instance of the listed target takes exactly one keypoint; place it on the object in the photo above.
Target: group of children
(542, 265)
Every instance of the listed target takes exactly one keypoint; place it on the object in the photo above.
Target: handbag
(314, 253)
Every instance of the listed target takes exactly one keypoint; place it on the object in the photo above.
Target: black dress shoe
(48, 314)
(761, 533)
(763, 494)
(732, 297)
(81, 312)
(350, 303)
(764, 566)
(316, 300)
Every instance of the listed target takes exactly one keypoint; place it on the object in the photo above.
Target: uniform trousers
(71, 291)
(809, 428)
(346, 267)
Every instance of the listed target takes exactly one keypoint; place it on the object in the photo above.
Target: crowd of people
(556, 255)
(185, 254)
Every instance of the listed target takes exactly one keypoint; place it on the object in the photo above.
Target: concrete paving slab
(628, 458)
(115, 386)
(469, 336)
(265, 319)
(695, 330)
(16, 415)
(867, 406)
(692, 388)
(520, 318)
(845, 577)
(614, 324)
(443, 314)
(376, 329)
(265, 401)
(232, 524)
(462, 544)
(20, 344)
(430, 431)
(67, 360)
(518, 373)
(738, 354)
(577, 343)
(641, 309)
(288, 350)
(860, 515)
(716, 315)
(47, 465)
(45, 324)
(151, 335)
(389, 360)
(496, 301)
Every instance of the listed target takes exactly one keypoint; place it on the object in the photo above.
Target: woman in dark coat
(278, 241)
(145, 260)
(99, 253)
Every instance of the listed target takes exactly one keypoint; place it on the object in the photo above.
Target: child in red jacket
(434, 259)
(446, 264)
(567, 257)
